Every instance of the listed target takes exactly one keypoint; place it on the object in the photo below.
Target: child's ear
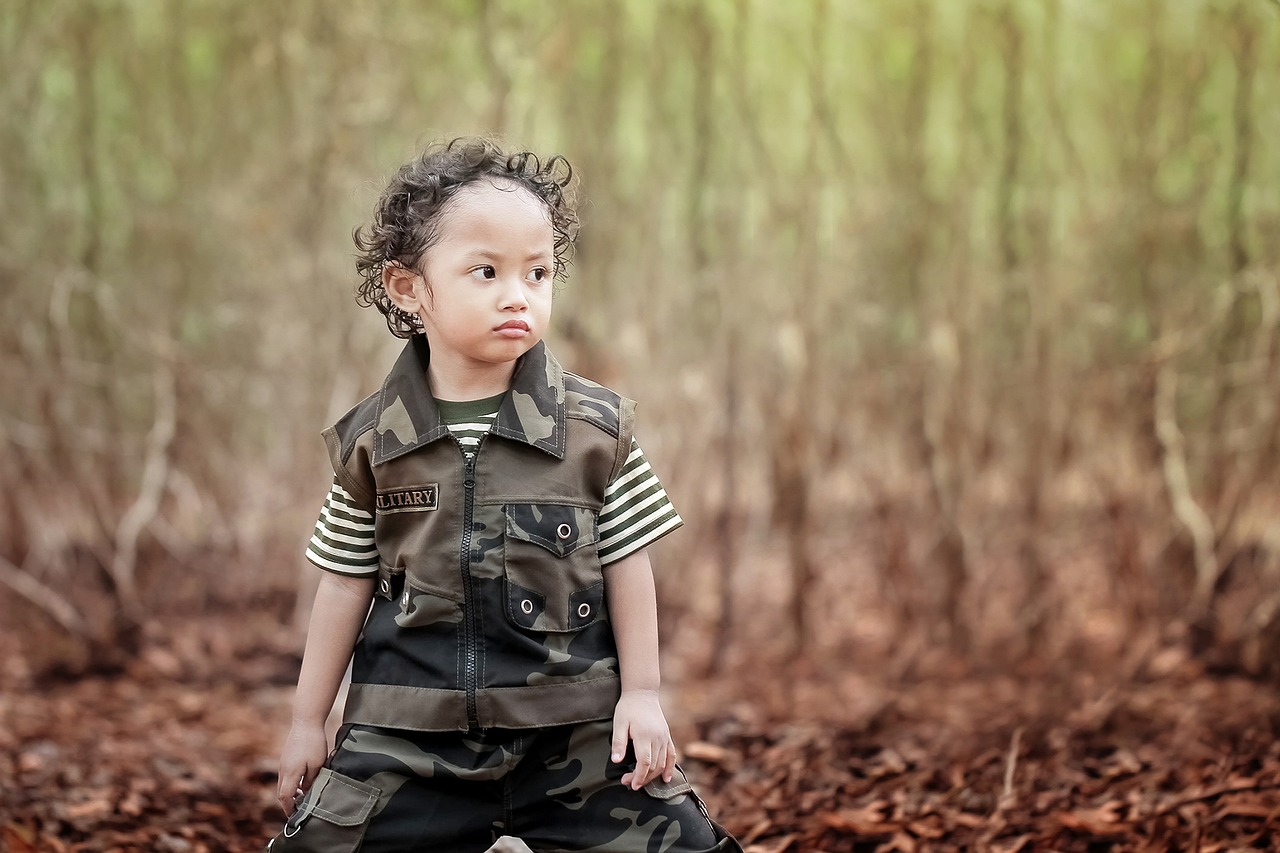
(400, 282)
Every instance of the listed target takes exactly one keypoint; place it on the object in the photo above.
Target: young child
(494, 510)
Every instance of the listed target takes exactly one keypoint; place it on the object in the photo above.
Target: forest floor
(179, 754)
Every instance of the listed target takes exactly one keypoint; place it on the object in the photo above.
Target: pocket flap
(558, 528)
(341, 800)
(663, 790)
(420, 607)
(533, 611)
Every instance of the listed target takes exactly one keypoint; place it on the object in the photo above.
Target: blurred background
(955, 325)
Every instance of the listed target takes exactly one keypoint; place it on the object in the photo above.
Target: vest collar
(532, 412)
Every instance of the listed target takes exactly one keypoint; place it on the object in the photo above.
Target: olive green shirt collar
(532, 412)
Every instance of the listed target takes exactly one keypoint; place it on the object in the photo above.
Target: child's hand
(301, 759)
(638, 717)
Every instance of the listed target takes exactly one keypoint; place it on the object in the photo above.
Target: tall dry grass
(954, 325)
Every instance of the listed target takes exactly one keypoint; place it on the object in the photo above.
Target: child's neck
(462, 382)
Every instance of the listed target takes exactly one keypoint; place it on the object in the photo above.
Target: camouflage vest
(490, 608)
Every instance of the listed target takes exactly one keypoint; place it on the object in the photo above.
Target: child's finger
(286, 792)
(289, 793)
(284, 784)
(659, 763)
(644, 762)
(669, 768)
(309, 776)
(619, 747)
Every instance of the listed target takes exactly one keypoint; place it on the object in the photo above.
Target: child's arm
(336, 619)
(633, 611)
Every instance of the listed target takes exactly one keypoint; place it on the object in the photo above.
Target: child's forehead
(495, 208)
(489, 190)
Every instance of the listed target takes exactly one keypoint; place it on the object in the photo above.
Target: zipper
(471, 629)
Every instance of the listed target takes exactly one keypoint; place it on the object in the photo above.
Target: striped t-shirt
(636, 511)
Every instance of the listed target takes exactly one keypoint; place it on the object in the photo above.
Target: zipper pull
(470, 477)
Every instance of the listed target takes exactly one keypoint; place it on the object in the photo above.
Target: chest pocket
(553, 578)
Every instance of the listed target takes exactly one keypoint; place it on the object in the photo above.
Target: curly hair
(406, 220)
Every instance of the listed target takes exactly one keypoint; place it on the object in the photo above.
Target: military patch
(413, 499)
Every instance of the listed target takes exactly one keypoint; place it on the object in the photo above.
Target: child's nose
(513, 295)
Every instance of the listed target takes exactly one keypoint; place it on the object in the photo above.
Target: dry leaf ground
(178, 754)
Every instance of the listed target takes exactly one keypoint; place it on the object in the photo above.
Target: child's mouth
(513, 329)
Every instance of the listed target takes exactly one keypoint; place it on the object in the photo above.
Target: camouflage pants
(389, 790)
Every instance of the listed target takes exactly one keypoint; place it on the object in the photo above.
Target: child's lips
(513, 329)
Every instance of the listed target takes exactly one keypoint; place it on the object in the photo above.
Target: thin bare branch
(1009, 793)
(44, 597)
(155, 474)
(1177, 484)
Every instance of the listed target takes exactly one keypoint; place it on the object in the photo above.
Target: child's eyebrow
(490, 255)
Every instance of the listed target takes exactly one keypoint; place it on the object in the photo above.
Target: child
(494, 510)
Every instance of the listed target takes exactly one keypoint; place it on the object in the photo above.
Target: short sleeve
(636, 511)
(343, 538)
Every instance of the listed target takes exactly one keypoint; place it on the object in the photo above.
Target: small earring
(407, 316)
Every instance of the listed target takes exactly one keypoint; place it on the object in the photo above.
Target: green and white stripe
(343, 538)
(636, 512)
(469, 433)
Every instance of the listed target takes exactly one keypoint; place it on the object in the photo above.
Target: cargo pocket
(421, 607)
(679, 788)
(332, 818)
(552, 564)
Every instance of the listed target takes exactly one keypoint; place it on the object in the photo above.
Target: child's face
(486, 298)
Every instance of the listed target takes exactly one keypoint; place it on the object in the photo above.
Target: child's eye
(485, 272)
(538, 274)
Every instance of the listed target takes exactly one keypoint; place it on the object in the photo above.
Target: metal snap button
(584, 610)
(526, 606)
(564, 531)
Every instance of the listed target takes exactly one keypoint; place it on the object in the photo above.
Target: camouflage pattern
(554, 789)
(490, 610)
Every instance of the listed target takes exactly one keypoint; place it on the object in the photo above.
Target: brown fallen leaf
(18, 839)
(1101, 821)
(931, 827)
(967, 819)
(1012, 845)
(95, 808)
(1246, 809)
(900, 843)
(773, 845)
(132, 805)
(757, 829)
(864, 821)
(886, 763)
(710, 753)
